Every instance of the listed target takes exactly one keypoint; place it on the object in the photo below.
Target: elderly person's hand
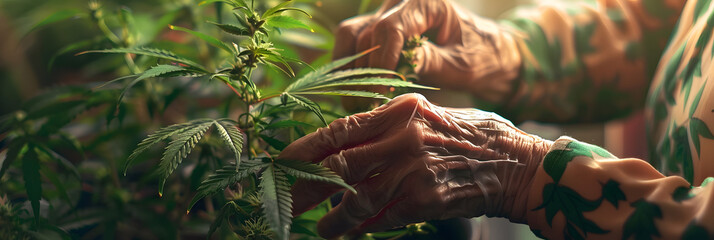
(411, 161)
(464, 52)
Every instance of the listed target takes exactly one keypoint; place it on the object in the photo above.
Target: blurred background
(35, 58)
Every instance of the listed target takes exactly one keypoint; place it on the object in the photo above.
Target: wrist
(517, 183)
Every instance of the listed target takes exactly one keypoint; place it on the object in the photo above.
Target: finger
(354, 209)
(346, 37)
(364, 42)
(444, 203)
(354, 165)
(395, 214)
(356, 130)
(308, 194)
(389, 34)
(408, 19)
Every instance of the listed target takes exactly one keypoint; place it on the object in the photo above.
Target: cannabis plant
(238, 141)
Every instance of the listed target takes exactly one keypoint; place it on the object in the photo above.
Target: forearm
(582, 191)
(586, 62)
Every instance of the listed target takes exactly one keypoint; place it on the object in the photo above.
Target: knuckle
(352, 27)
(338, 164)
(345, 29)
(406, 103)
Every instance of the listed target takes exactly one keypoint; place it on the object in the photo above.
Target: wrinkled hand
(464, 52)
(411, 161)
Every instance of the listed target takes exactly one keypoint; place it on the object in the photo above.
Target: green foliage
(153, 52)
(277, 200)
(310, 171)
(68, 134)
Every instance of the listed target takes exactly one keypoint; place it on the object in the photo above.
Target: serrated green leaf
(232, 29)
(161, 135)
(286, 124)
(277, 201)
(356, 72)
(307, 103)
(321, 71)
(223, 178)
(231, 137)
(33, 181)
(281, 21)
(349, 93)
(56, 17)
(309, 171)
(178, 149)
(391, 82)
(152, 52)
(331, 78)
(207, 38)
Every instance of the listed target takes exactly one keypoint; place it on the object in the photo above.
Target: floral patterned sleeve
(586, 61)
(582, 191)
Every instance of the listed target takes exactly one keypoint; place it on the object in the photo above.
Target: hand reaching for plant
(463, 51)
(411, 161)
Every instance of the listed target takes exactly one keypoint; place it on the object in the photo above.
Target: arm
(557, 62)
(411, 161)
(582, 191)
(587, 61)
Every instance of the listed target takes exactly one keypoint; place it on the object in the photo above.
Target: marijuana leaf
(306, 103)
(179, 149)
(277, 201)
(286, 22)
(161, 135)
(349, 93)
(314, 75)
(231, 136)
(223, 178)
(232, 29)
(309, 171)
(152, 52)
